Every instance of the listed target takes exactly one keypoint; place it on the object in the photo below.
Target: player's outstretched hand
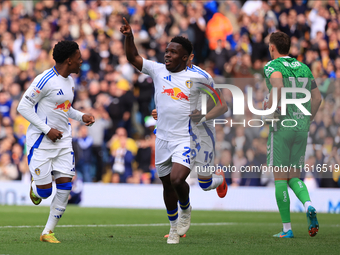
(54, 134)
(196, 116)
(126, 29)
(88, 119)
(154, 114)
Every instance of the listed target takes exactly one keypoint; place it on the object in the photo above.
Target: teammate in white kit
(177, 142)
(47, 106)
(205, 157)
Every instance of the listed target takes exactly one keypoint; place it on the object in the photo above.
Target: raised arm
(130, 47)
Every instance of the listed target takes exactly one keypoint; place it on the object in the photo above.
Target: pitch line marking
(125, 225)
(155, 225)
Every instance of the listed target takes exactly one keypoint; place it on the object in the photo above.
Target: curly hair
(63, 50)
(186, 44)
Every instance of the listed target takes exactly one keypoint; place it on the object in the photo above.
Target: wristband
(202, 120)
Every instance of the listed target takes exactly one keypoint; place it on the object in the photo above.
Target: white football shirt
(172, 94)
(47, 104)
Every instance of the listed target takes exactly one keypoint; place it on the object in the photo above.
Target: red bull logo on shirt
(175, 93)
(64, 106)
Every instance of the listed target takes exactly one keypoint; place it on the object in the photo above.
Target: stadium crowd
(230, 41)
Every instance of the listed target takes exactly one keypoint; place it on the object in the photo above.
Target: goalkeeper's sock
(307, 204)
(300, 190)
(282, 200)
(287, 227)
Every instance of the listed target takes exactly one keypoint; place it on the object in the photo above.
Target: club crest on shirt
(37, 171)
(35, 93)
(188, 83)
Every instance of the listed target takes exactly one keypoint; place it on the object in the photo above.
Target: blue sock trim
(44, 193)
(173, 214)
(185, 205)
(65, 186)
(204, 183)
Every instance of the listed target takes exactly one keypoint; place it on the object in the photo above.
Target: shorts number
(208, 155)
(185, 154)
(189, 151)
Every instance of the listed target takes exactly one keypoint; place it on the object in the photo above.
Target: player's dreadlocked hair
(186, 44)
(63, 50)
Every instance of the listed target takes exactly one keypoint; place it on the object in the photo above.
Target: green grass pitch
(134, 231)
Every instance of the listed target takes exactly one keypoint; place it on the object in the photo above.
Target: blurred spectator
(77, 188)
(220, 56)
(121, 105)
(82, 146)
(239, 161)
(317, 18)
(259, 49)
(145, 87)
(8, 171)
(252, 175)
(218, 28)
(97, 133)
(5, 104)
(225, 160)
(143, 159)
(123, 151)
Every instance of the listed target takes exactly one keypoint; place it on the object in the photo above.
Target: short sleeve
(149, 67)
(34, 94)
(270, 68)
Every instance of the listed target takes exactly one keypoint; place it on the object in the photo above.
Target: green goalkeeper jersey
(295, 74)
